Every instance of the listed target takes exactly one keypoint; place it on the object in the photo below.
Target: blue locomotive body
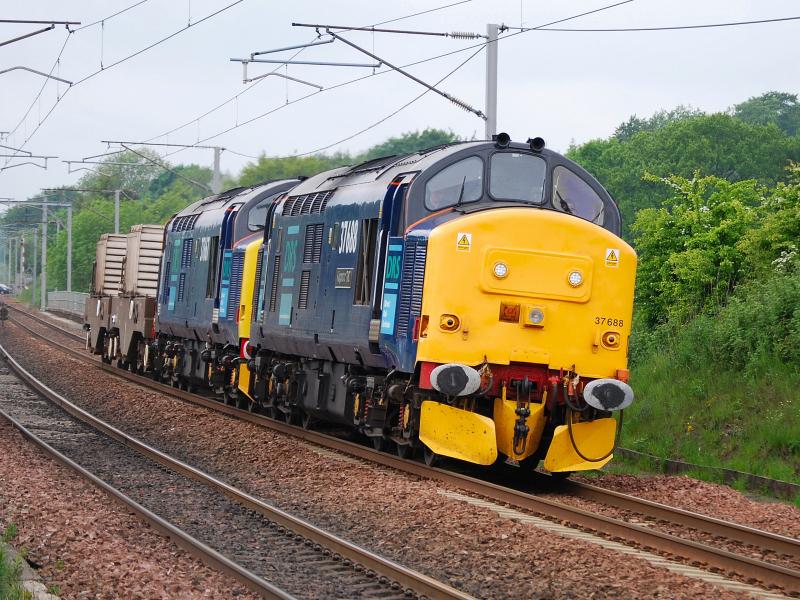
(201, 279)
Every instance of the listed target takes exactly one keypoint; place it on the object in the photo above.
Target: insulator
(464, 35)
(463, 105)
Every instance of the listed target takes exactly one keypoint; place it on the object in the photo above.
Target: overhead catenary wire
(363, 77)
(118, 62)
(109, 17)
(665, 27)
(166, 168)
(57, 61)
(235, 97)
(391, 114)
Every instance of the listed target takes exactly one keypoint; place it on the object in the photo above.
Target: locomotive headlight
(534, 316)
(500, 270)
(575, 278)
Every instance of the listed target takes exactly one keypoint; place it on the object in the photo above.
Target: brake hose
(573, 408)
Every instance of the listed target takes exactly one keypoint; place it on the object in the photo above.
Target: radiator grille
(165, 284)
(257, 288)
(410, 302)
(237, 266)
(186, 253)
(305, 279)
(308, 204)
(184, 223)
(181, 286)
(276, 272)
(312, 248)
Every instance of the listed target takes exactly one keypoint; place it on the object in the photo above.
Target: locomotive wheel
(270, 411)
(404, 450)
(306, 420)
(243, 403)
(254, 406)
(288, 416)
(378, 442)
(431, 458)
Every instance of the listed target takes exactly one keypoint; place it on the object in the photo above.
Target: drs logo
(393, 267)
(348, 238)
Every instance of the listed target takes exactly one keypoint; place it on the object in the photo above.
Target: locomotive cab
(528, 291)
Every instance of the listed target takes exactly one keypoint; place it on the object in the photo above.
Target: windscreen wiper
(461, 192)
(564, 206)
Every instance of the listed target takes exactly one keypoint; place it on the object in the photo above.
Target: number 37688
(609, 321)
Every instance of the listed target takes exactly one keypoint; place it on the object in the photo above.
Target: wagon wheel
(306, 420)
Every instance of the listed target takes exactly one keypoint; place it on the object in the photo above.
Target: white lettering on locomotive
(348, 238)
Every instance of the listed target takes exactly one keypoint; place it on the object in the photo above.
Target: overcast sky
(563, 86)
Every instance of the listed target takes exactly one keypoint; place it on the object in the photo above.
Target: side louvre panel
(308, 204)
(257, 287)
(237, 267)
(276, 273)
(181, 286)
(305, 279)
(312, 245)
(410, 302)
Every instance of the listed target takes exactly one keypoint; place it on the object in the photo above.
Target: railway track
(753, 541)
(270, 551)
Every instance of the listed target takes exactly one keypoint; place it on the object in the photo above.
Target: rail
(716, 558)
(407, 578)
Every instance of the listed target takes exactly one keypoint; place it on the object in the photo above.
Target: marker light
(536, 316)
(575, 278)
(500, 270)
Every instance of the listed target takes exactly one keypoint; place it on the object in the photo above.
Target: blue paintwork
(191, 315)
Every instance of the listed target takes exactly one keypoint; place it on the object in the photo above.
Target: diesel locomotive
(472, 300)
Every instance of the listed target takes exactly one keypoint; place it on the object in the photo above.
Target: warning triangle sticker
(464, 241)
(612, 257)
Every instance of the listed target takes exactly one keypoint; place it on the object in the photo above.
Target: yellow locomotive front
(528, 310)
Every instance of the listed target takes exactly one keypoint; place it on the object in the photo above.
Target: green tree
(409, 142)
(660, 119)
(690, 254)
(719, 145)
(776, 108)
(774, 247)
(270, 168)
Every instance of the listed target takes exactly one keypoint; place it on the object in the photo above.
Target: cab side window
(459, 183)
(574, 196)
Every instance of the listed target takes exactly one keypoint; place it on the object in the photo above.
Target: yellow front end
(526, 286)
(246, 310)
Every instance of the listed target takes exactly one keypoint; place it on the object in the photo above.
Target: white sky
(561, 86)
